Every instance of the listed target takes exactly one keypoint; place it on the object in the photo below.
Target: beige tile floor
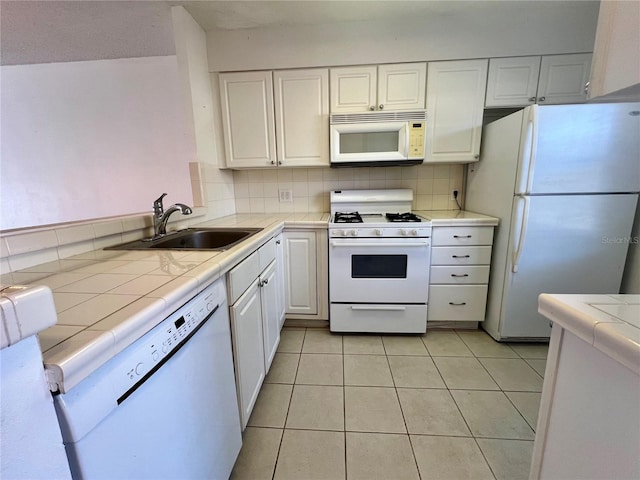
(445, 405)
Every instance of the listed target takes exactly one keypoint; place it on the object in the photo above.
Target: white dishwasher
(165, 407)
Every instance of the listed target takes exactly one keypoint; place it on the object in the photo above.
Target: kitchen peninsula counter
(589, 419)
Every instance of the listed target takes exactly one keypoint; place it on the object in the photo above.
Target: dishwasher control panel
(157, 346)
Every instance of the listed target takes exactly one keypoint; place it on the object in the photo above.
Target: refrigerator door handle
(522, 219)
(528, 154)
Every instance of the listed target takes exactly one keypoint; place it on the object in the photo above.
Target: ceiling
(231, 15)
(59, 31)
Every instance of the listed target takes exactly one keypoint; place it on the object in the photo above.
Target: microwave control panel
(416, 139)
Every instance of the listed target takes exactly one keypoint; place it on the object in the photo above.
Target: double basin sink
(192, 239)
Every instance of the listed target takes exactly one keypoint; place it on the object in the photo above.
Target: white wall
(532, 28)
(212, 187)
(83, 140)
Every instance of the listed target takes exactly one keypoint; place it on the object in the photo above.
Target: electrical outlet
(455, 193)
(286, 196)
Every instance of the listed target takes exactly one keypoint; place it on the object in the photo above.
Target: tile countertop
(457, 218)
(106, 300)
(611, 323)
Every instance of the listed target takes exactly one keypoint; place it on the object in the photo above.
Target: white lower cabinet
(305, 274)
(280, 278)
(248, 349)
(458, 285)
(255, 322)
(270, 319)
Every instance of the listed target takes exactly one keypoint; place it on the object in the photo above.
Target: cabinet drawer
(454, 274)
(460, 255)
(241, 276)
(457, 302)
(267, 253)
(462, 236)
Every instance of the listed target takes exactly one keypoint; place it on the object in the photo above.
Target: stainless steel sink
(193, 239)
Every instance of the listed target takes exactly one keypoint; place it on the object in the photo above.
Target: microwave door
(380, 141)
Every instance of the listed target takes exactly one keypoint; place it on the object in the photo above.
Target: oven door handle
(378, 244)
(386, 308)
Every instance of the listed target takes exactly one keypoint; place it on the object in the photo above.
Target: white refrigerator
(564, 181)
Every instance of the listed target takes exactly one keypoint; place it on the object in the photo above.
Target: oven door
(379, 270)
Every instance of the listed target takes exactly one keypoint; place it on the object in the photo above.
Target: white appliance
(378, 262)
(30, 441)
(564, 181)
(377, 138)
(165, 407)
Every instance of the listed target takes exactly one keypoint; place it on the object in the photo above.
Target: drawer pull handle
(461, 303)
(463, 275)
(383, 308)
(462, 236)
(460, 256)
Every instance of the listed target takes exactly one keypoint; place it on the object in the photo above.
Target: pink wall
(85, 140)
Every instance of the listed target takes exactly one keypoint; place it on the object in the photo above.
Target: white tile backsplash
(257, 191)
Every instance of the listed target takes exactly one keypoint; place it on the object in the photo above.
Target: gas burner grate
(347, 217)
(403, 217)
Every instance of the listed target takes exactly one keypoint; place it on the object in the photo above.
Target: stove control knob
(378, 232)
(341, 233)
(354, 233)
(414, 232)
(403, 232)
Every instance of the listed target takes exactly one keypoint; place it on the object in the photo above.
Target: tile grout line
(275, 465)
(395, 388)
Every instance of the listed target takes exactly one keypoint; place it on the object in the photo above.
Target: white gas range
(379, 255)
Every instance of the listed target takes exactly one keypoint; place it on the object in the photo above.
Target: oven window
(378, 266)
(369, 142)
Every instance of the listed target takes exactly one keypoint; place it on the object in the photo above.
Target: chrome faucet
(161, 217)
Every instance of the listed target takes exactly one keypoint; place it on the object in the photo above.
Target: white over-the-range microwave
(377, 138)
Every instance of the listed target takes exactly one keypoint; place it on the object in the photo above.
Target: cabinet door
(302, 117)
(455, 105)
(268, 283)
(280, 279)
(563, 78)
(353, 89)
(247, 118)
(401, 86)
(512, 82)
(300, 273)
(248, 349)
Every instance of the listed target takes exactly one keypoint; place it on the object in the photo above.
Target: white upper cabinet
(398, 86)
(512, 81)
(353, 89)
(302, 117)
(563, 78)
(247, 119)
(455, 103)
(401, 86)
(546, 80)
